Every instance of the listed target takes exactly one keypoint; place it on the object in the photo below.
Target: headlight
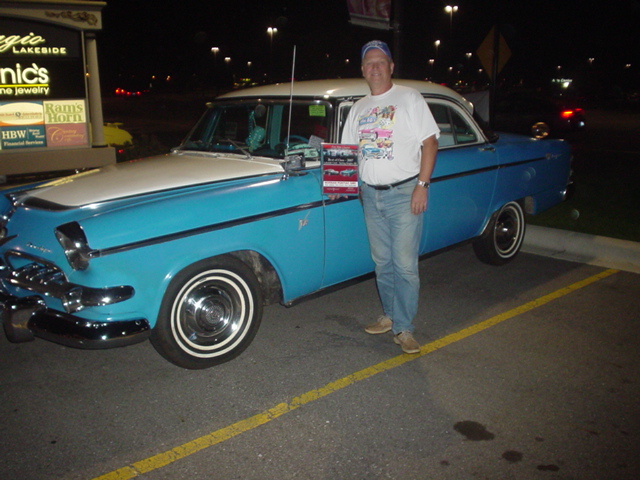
(75, 245)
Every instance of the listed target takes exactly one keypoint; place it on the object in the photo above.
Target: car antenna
(293, 72)
(292, 162)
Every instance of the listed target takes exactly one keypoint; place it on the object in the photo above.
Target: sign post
(493, 54)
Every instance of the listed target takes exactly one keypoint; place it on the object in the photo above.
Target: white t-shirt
(389, 130)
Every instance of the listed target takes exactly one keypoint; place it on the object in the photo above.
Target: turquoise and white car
(186, 248)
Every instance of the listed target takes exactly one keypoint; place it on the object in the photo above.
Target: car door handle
(488, 148)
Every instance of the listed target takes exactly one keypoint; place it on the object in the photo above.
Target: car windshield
(262, 128)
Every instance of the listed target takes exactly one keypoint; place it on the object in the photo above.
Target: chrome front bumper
(25, 318)
(28, 317)
(44, 278)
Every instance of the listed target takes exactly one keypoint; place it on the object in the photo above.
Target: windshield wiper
(209, 147)
(183, 151)
(239, 147)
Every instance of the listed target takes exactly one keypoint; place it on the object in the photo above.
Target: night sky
(145, 37)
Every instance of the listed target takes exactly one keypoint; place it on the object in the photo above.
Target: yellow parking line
(162, 459)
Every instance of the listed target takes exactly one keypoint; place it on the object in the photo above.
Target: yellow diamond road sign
(486, 53)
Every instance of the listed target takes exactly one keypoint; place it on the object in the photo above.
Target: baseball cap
(379, 44)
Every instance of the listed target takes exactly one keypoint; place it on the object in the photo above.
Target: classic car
(186, 248)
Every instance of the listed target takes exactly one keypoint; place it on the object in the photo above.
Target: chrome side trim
(205, 229)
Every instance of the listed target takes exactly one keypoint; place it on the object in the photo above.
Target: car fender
(283, 223)
(527, 178)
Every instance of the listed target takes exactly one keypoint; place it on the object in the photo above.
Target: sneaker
(407, 342)
(382, 325)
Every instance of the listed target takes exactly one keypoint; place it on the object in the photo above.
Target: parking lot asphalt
(528, 371)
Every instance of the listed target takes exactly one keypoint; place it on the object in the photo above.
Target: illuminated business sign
(42, 86)
(39, 60)
(49, 123)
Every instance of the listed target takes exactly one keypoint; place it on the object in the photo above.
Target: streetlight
(228, 70)
(215, 51)
(451, 9)
(431, 63)
(271, 31)
(435, 59)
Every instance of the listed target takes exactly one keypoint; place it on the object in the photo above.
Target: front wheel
(502, 240)
(210, 313)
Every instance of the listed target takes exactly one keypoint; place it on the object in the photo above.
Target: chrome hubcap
(507, 231)
(210, 311)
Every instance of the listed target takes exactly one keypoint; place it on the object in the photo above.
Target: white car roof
(342, 88)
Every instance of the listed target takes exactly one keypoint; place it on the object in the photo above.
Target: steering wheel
(298, 138)
(282, 147)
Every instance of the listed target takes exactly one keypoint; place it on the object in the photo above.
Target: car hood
(149, 175)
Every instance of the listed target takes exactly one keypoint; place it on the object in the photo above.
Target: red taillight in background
(570, 113)
(127, 93)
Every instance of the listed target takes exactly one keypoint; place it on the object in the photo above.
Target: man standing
(397, 139)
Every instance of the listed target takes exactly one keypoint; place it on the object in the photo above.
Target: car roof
(342, 88)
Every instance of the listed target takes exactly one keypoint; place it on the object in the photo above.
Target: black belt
(391, 185)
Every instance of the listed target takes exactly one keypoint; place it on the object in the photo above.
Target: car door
(347, 253)
(463, 181)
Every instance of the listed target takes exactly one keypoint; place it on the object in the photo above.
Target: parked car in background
(538, 115)
(186, 248)
(117, 137)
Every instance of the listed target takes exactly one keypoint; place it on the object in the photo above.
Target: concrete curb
(583, 248)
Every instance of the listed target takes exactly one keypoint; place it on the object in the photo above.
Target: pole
(494, 64)
(95, 98)
(398, 12)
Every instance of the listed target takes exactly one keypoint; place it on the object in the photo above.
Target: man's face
(377, 68)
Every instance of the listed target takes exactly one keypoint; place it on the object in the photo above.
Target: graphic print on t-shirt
(375, 131)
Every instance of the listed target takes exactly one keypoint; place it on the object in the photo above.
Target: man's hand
(419, 200)
(420, 194)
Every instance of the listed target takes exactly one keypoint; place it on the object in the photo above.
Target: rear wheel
(502, 240)
(210, 313)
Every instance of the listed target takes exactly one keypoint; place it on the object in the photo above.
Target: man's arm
(427, 164)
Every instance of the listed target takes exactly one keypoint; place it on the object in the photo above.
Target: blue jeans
(394, 236)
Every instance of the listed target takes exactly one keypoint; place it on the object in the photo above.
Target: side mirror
(292, 164)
